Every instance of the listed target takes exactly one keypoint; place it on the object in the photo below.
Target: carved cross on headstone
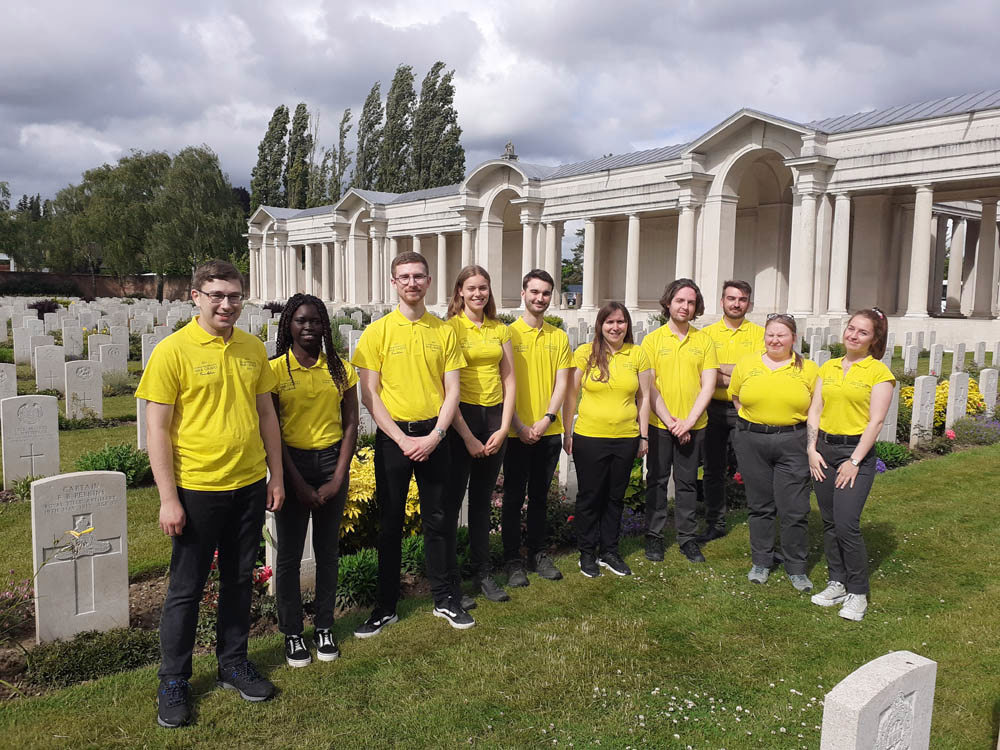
(32, 455)
(84, 399)
(51, 379)
(80, 551)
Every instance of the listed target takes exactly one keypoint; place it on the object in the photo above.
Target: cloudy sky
(82, 83)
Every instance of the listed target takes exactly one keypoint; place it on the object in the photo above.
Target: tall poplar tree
(394, 155)
(265, 179)
(342, 158)
(437, 156)
(369, 138)
(296, 178)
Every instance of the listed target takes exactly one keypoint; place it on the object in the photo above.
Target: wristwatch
(552, 417)
(855, 462)
(441, 433)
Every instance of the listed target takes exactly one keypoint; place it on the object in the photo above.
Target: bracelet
(643, 437)
(552, 417)
(441, 433)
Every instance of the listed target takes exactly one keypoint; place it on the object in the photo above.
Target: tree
(70, 249)
(341, 159)
(265, 179)
(369, 138)
(296, 178)
(24, 232)
(572, 269)
(436, 157)
(6, 221)
(242, 197)
(394, 152)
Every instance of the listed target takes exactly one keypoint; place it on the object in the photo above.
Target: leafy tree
(70, 248)
(394, 152)
(300, 144)
(319, 179)
(341, 158)
(437, 157)
(6, 221)
(369, 138)
(265, 179)
(572, 269)
(24, 233)
(242, 197)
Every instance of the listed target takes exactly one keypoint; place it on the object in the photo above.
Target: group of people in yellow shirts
(457, 400)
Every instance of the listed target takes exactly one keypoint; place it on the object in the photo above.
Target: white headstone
(922, 418)
(79, 531)
(910, 354)
(22, 346)
(354, 339)
(987, 386)
(271, 348)
(72, 334)
(140, 423)
(357, 317)
(94, 343)
(307, 569)
(119, 335)
(979, 353)
(272, 330)
(29, 426)
(5, 313)
(932, 337)
(815, 344)
(50, 322)
(822, 356)
(345, 332)
(920, 340)
(890, 342)
(937, 356)
(366, 422)
(884, 705)
(958, 398)
(888, 431)
(84, 389)
(8, 380)
(37, 341)
(908, 339)
(958, 359)
(114, 358)
(49, 368)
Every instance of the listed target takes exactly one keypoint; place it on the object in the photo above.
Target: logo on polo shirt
(206, 369)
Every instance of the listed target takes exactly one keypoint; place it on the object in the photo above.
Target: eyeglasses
(786, 316)
(217, 297)
(417, 278)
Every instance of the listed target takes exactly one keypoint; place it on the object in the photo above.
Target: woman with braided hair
(317, 403)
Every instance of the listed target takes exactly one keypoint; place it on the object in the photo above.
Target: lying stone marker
(8, 381)
(958, 398)
(84, 389)
(29, 430)
(987, 386)
(884, 705)
(922, 420)
(79, 536)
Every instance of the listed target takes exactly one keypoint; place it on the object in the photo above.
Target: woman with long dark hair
(615, 377)
(317, 403)
(849, 405)
(479, 430)
(773, 391)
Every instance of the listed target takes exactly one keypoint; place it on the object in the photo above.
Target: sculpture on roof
(508, 152)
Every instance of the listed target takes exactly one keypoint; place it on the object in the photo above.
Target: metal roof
(280, 213)
(951, 105)
(617, 161)
(374, 196)
(315, 211)
(427, 193)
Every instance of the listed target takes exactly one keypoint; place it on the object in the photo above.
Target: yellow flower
(361, 495)
(975, 404)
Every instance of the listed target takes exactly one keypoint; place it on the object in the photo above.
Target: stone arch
(501, 243)
(359, 253)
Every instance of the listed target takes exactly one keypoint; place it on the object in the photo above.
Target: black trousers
(721, 423)
(666, 453)
(392, 481)
(480, 475)
(292, 521)
(603, 469)
(231, 522)
(775, 472)
(527, 469)
(846, 554)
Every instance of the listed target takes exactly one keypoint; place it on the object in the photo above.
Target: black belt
(769, 429)
(839, 439)
(421, 427)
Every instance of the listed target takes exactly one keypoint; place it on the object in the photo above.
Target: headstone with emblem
(84, 389)
(49, 368)
(29, 426)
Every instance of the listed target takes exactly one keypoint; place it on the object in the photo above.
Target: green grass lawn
(676, 656)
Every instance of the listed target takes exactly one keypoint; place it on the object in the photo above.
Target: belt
(769, 429)
(839, 439)
(422, 426)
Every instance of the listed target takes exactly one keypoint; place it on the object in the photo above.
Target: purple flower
(880, 467)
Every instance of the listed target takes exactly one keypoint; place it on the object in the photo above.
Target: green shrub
(11, 284)
(836, 350)
(893, 455)
(635, 493)
(50, 392)
(7, 355)
(938, 445)
(89, 422)
(92, 655)
(555, 320)
(506, 318)
(656, 320)
(357, 579)
(347, 312)
(413, 555)
(132, 462)
(22, 487)
(902, 378)
(903, 419)
(43, 306)
(977, 430)
(135, 347)
(118, 384)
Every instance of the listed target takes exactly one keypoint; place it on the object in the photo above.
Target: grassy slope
(676, 649)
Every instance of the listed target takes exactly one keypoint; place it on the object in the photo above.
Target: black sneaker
(374, 624)
(452, 611)
(613, 562)
(690, 550)
(542, 564)
(588, 565)
(516, 574)
(296, 653)
(492, 590)
(174, 703)
(467, 602)
(654, 548)
(710, 533)
(244, 678)
(326, 646)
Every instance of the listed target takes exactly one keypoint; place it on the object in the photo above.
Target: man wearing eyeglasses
(211, 427)
(409, 364)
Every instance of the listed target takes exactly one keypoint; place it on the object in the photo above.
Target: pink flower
(569, 519)
(950, 434)
(738, 478)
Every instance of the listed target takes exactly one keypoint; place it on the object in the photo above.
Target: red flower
(569, 519)
(738, 478)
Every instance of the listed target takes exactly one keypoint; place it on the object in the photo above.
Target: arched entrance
(503, 249)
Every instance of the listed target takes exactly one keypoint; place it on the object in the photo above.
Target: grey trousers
(718, 433)
(775, 472)
(665, 453)
(846, 554)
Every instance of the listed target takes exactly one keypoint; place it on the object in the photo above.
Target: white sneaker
(854, 607)
(834, 593)
(758, 574)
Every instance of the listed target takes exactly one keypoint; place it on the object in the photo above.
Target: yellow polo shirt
(609, 409)
(678, 366)
(539, 353)
(482, 347)
(309, 402)
(411, 358)
(847, 398)
(732, 344)
(213, 386)
(778, 397)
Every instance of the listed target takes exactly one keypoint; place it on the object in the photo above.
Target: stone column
(377, 241)
(324, 271)
(467, 253)
(939, 226)
(279, 270)
(292, 277)
(254, 268)
(956, 259)
(393, 295)
(589, 261)
(442, 265)
(552, 264)
(803, 259)
(685, 243)
(416, 243)
(560, 228)
(632, 264)
(262, 268)
(529, 229)
(307, 249)
(920, 253)
(983, 304)
(340, 271)
(840, 254)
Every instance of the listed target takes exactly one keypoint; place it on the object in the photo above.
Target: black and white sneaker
(296, 653)
(326, 646)
(613, 562)
(452, 611)
(244, 678)
(588, 565)
(173, 703)
(374, 624)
